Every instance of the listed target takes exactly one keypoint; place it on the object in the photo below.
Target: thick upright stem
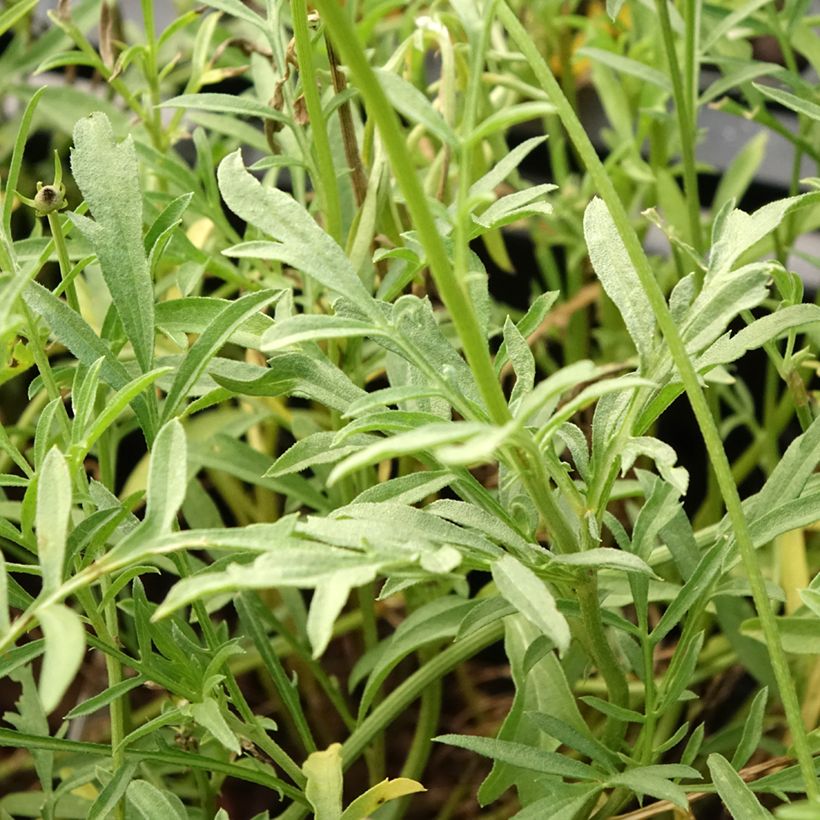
(453, 292)
(697, 399)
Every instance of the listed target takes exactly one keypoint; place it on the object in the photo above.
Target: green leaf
(506, 117)
(149, 802)
(13, 172)
(16, 11)
(88, 707)
(565, 804)
(117, 403)
(736, 795)
(642, 782)
(52, 518)
(315, 449)
(304, 245)
(788, 479)
(213, 338)
(195, 313)
(799, 636)
(4, 597)
(323, 789)
(531, 321)
(489, 525)
(569, 736)
(525, 757)
(618, 277)
(113, 791)
(522, 361)
(411, 103)
(314, 327)
(605, 558)
(707, 569)
(376, 796)
(290, 563)
(766, 329)
(76, 334)
(236, 8)
(662, 454)
(427, 437)
(752, 730)
(735, 231)
(408, 489)
(167, 477)
(64, 649)
(252, 612)
(530, 596)
(108, 176)
(434, 621)
(626, 65)
(401, 395)
(169, 217)
(505, 166)
(792, 101)
(613, 710)
(208, 715)
(613, 8)
(740, 73)
(308, 375)
(519, 205)
(226, 104)
(729, 22)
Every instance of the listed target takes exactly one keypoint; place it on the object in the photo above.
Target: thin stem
(419, 753)
(107, 629)
(685, 114)
(64, 260)
(168, 757)
(452, 291)
(408, 691)
(326, 184)
(366, 596)
(689, 378)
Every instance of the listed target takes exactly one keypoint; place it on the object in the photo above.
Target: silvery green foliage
(316, 448)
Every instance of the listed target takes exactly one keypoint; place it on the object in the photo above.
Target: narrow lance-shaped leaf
(232, 316)
(618, 277)
(148, 802)
(108, 176)
(53, 511)
(65, 646)
(735, 794)
(168, 476)
(303, 244)
(530, 596)
(77, 335)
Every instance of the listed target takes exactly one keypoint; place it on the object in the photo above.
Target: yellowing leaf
(365, 804)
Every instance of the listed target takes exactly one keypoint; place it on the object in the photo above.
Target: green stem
(408, 691)
(604, 659)
(107, 629)
(167, 757)
(417, 757)
(376, 756)
(326, 184)
(689, 378)
(452, 291)
(64, 260)
(685, 113)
